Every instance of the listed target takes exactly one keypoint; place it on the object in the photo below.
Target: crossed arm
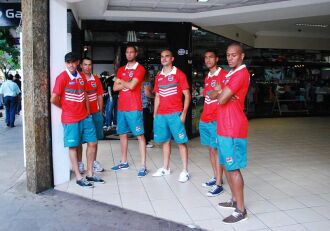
(121, 84)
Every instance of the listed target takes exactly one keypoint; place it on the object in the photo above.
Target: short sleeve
(183, 81)
(140, 72)
(59, 86)
(99, 87)
(236, 82)
(156, 88)
(119, 73)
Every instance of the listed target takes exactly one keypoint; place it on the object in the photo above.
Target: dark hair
(211, 51)
(71, 57)
(167, 49)
(86, 58)
(236, 44)
(10, 77)
(132, 46)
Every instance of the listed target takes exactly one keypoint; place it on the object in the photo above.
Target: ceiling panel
(185, 6)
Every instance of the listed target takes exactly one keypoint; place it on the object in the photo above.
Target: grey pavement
(55, 210)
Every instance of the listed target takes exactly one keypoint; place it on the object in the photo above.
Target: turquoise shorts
(98, 122)
(232, 152)
(79, 132)
(167, 125)
(208, 133)
(130, 121)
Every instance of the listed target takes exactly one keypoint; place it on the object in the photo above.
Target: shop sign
(10, 14)
(181, 51)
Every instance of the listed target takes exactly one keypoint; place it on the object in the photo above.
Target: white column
(58, 48)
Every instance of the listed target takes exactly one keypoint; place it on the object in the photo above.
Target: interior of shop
(284, 82)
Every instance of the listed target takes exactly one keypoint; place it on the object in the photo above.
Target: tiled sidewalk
(287, 182)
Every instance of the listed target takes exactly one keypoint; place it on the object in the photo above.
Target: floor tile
(261, 207)
(304, 215)
(287, 203)
(317, 226)
(214, 224)
(274, 219)
(312, 200)
(297, 227)
(252, 223)
(203, 213)
(323, 210)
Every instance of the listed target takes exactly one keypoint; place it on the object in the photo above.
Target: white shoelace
(235, 214)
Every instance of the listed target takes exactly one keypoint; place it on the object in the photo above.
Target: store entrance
(105, 42)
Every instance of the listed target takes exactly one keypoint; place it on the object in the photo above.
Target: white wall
(58, 48)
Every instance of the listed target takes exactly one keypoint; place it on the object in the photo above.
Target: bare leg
(123, 146)
(91, 150)
(218, 168)
(142, 148)
(213, 160)
(237, 188)
(184, 155)
(79, 153)
(74, 162)
(166, 154)
(220, 171)
(230, 184)
(96, 151)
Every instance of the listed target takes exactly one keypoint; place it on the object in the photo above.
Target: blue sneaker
(95, 179)
(210, 182)
(215, 191)
(120, 166)
(83, 182)
(143, 172)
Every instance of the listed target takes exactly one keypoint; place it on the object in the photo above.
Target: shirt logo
(213, 83)
(130, 74)
(181, 136)
(170, 78)
(93, 84)
(137, 128)
(72, 83)
(229, 160)
(81, 82)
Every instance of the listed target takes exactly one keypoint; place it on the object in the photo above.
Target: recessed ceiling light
(194, 28)
(312, 25)
(202, 0)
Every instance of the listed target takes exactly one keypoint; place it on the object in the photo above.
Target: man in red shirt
(169, 113)
(69, 95)
(94, 91)
(232, 130)
(128, 82)
(207, 124)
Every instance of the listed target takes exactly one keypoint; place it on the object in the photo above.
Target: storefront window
(283, 82)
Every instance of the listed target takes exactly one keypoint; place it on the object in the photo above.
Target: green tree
(9, 54)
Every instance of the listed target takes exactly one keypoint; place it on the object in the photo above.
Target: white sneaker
(149, 145)
(97, 166)
(162, 172)
(81, 167)
(184, 176)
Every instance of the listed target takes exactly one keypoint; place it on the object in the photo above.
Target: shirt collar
(133, 67)
(90, 78)
(210, 75)
(172, 72)
(231, 72)
(71, 76)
